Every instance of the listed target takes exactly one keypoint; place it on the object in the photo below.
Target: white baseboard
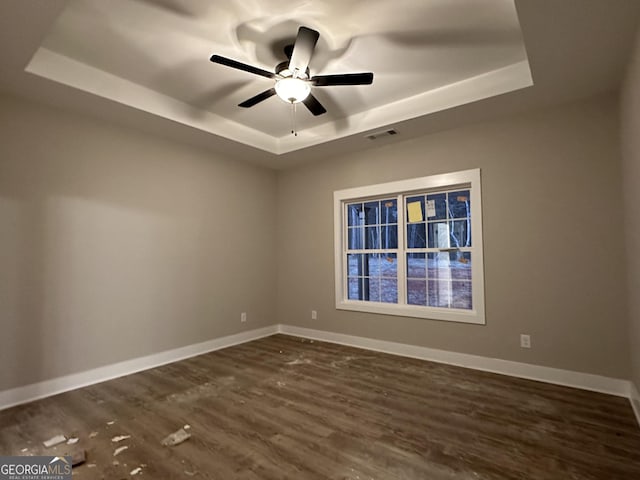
(47, 388)
(634, 396)
(585, 381)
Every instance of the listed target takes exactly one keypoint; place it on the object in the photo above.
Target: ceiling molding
(437, 65)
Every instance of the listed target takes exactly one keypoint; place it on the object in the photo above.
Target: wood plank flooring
(288, 408)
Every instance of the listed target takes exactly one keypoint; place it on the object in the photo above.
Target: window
(412, 248)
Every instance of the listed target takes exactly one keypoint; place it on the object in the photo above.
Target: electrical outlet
(243, 317)
(314, 315)
(525, 341)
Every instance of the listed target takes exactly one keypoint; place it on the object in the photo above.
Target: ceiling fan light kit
(292, 90)
(292, 80)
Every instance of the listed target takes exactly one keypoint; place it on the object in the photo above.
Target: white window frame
(464, 179)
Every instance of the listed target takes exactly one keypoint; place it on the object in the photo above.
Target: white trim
(468, 179)
(584, 381)
(68, 71)
(634, 397)
(47, 388)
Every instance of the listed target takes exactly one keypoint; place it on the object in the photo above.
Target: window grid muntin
(468, 180)
(448, 218)
(365, 279)
(402, 277)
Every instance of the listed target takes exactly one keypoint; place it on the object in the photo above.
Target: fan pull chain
(294, 130)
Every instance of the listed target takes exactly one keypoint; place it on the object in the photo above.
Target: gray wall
(115, 244)
(630, 110)
(553, 241)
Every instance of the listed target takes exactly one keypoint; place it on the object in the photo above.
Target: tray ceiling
(153, 55)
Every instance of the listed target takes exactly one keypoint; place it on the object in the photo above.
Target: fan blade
(288, 50)
(343, 79)
(314, 105)
(258, 98)
(241, 66)
(303, 49)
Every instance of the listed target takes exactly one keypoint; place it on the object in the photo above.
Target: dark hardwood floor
(288, 408)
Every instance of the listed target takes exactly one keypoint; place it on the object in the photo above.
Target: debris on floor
(24, 450)
(187, 427)
(111, 422)
(78, 457)
(281, 384)
(93, 434)
(299, 361)
(190, 474)
(53, 441)
(135, 471)
(119, 450)
(176, 438)
(119, 438)
(205, 390)
(72, 441)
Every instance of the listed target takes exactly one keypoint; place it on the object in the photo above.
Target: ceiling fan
(293, 81)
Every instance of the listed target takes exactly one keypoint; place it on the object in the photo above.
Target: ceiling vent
(381, 134)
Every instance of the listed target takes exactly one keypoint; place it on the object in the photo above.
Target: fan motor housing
(282, 69)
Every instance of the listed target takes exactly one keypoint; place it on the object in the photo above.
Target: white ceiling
(426, 56)
(437, 63)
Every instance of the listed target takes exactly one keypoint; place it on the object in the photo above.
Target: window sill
(450, 315)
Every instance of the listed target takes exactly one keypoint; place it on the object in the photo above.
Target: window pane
(389, 211)
(439, 293)
(459, 204)
(449, 280)
(388, 265)
(416, 265)
(439, 235)
(372, 213)
(416, 237)
(389, 237)
(388, 290)
(437, 206)
(356, 238)
(461, 233)
(416, 292)
(364, 288)
(439, 265)
(374, 289)
(354, 214)
(354, 288)
(461, 265)
(462, 297)
(372, 237)
(373, 277)
(354, 264)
